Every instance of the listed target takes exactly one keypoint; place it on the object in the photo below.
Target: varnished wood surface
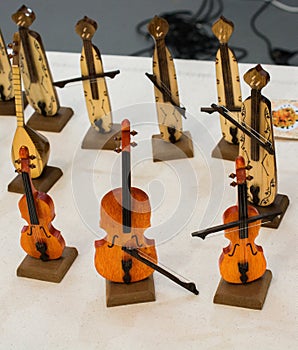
(6, 86)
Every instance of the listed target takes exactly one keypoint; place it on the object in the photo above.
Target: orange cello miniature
(39, 239)
(125, 255)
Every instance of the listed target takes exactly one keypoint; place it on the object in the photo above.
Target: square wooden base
(281, 202)
(251, 295)
(50, 271)
(43, 183)
(54, 124)
(8, 107)
(163, 150)
(123, 294)
(225, 150)
(97, 140)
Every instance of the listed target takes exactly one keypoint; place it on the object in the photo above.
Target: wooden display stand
(96, 140)
(9, 108)
(163, 150)
(251, 295)
(281, 203)
(54, 124)
(225, 150)
(123, 294)
(50, 271)
(43, 183)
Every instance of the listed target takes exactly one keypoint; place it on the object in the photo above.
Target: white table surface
(185, 195)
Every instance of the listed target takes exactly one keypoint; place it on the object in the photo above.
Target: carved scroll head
(223, 29)
(86, 27)
(158, 27)
(257, 77)
(24, 17)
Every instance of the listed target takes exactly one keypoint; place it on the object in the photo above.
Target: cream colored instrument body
(227, 79)
(95, 90)
(169, 118)
(36, 74)
(37, 144)
(256, 114)
(6, 86)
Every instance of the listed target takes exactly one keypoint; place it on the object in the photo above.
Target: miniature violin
(36, 74)
(95, 90)
(37, 144)
(124, 214)
(165, 84)
(242, 261)
(6, 87)
(125, 255)
(39, 238)
(227, 74)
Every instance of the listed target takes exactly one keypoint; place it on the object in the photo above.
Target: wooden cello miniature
(165, 84)
(36, 143)
(36, 74)
(6, 86)
(227, 78)
(125, 255)
(95, 90)
(39, 239)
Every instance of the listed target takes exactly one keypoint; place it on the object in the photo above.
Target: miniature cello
(227, 74)
(242, 261)
(125, 255)
(36, 143)
(36, 74)
(165, 84)
(6, 86)
(39, 239)
(95, 90)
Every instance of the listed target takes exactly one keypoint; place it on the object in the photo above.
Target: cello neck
(227, 76)
(163, 67)
(255, 121)
(126, 177)
(17, 85)
(91, 67)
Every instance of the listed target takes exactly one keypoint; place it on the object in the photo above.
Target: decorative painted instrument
(125, 255)
(165, 84)
(36, 143)
(227, 78)
(95, 90)
(39, 239)
(36, 74)
(242, 261)
(6, 87)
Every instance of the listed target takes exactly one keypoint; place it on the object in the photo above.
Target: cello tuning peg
(17, 161)
(133, 133)
(232, 176)
(118, 150)
(32, 166)
(32, 157)
(117, 138)
(249, 177)
(133, 144)
(18, 171)
(233, 184)
(248, 167)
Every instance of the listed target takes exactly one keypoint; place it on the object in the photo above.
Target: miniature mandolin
(36, 74)
(6, 86)
(95, 89)
(36, 143)
(39, 239)
(165, 84)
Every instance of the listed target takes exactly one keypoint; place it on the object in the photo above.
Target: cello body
(95, 90)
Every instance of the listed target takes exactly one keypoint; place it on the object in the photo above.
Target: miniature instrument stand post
(172, 142)
(102, 132)
(245, 280)
(37, 77)
(256, 145)
(7, 102)
(48, 258)
(228, 90)
(44, 176)
(125, 257)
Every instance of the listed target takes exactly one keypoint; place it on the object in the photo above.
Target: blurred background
(265, 31)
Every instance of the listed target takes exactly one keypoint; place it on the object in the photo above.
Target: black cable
(190, 35)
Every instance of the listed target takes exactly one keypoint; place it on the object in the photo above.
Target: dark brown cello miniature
(125, 255)
(39, 238)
